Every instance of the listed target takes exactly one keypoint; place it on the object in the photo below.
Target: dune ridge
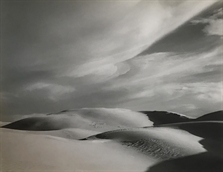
(216, 116)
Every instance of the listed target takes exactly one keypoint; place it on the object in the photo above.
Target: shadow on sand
(204, 162)
(210, 161)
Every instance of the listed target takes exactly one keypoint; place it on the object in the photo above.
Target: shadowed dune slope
(164, 117)
(208, 161)
(204, 129)
(205, 162)
(214, 116)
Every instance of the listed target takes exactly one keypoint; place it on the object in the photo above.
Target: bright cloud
(54, 90)
(124, 39)
(174, 78)
(215, 23)
(215, 27)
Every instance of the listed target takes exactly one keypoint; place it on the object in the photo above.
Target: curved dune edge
(26, 152)
(203, 129)
(161, 142)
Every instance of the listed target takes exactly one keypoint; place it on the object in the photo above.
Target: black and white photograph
(111, 86)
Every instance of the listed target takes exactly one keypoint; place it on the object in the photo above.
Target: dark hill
(214, 116)
(164, 117)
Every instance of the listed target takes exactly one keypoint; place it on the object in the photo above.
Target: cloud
(214, 23)
(211, 92)
(170, 67)
(162, 80)
(80, 40)
(123, 41)
(193, 99)
(78, 54)
(54, 91)
(215, 27)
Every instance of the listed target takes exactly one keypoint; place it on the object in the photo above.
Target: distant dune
(205, 129)
(164, 117)
(100, 139)
(3, 123)
(215, 116)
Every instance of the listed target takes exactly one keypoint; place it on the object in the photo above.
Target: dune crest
(96, 119)
(214, 116)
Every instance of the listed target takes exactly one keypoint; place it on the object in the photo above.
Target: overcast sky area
(139, 54)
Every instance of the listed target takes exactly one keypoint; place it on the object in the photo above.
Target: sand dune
(214, 116)
(96, 119)
(161, 142)
(164, 117)
(204, 129)
(190, 146)
(205, 162)
(26, 152)
(127, 141)
(120, 150)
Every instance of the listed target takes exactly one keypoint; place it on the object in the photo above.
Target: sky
(135, 54)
